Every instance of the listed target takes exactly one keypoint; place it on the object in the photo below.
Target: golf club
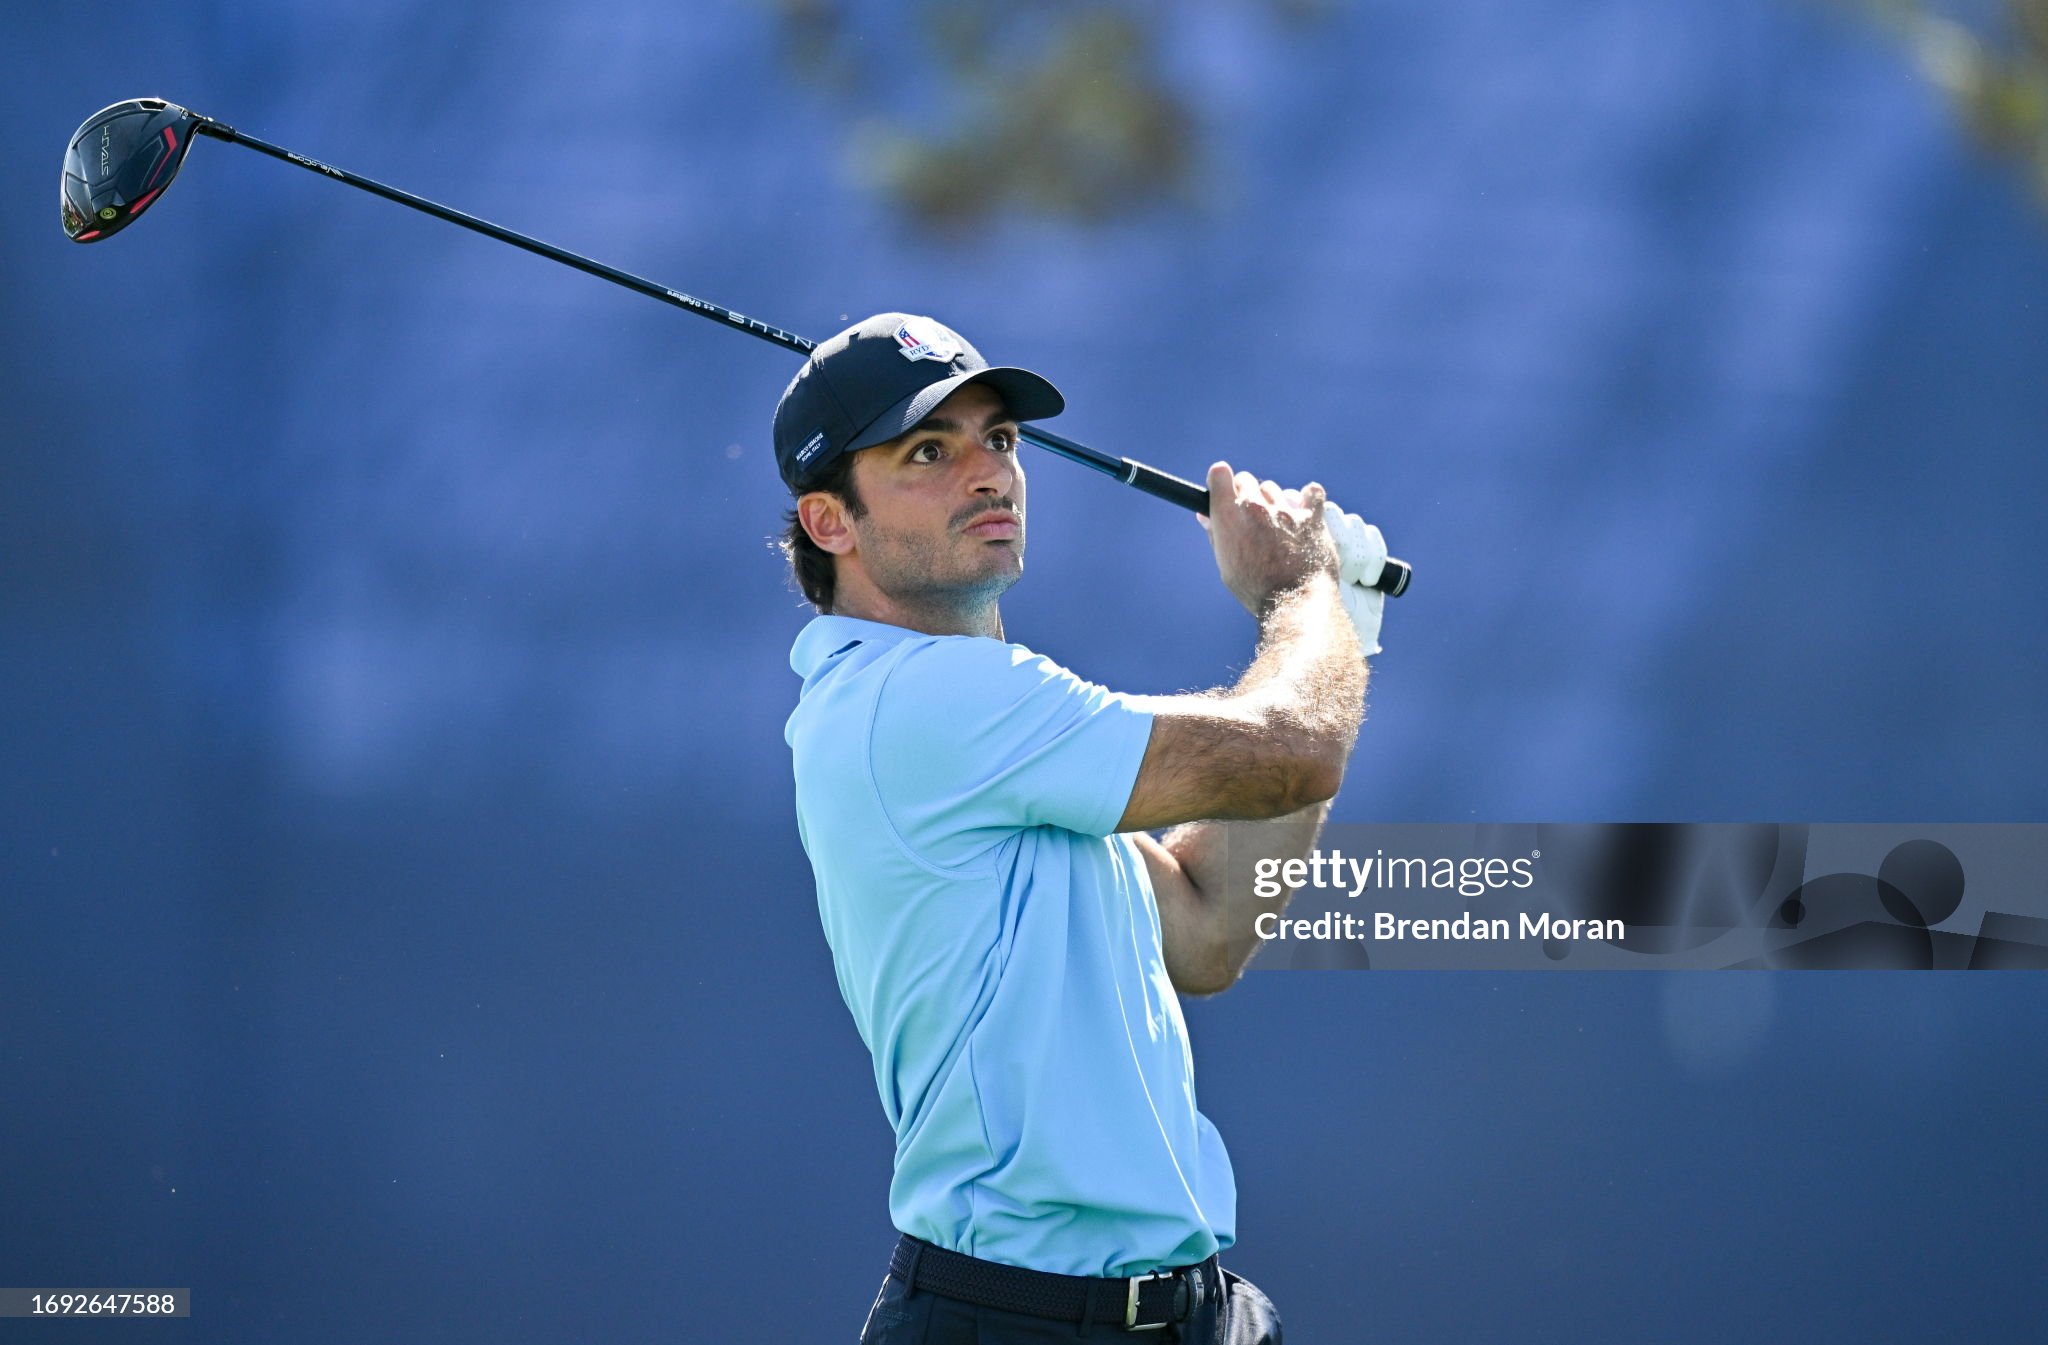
(125, 155)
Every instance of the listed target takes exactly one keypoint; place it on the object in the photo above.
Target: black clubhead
(120, 161)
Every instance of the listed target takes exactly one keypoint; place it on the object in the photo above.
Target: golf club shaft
(1164, 485)
(687, 302)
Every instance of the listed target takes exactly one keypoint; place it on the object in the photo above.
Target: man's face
(945, 505)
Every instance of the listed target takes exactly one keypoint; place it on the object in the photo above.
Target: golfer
(1008, 936)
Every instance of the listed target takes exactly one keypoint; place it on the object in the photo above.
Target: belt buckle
(1131, 1302)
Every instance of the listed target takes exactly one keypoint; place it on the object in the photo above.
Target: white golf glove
(1361, 555)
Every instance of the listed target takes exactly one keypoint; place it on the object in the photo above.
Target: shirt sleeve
(973, 738)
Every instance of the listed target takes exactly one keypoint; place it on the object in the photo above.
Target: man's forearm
(1308, 669)
(1229, 910)
(1309, 675)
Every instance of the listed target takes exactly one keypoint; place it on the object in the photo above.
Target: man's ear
(826, 518)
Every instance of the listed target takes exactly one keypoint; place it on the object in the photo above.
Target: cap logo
(810, 449)
(918, 339)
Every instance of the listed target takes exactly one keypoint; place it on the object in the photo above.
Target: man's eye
(928, 451)
(1002, 441)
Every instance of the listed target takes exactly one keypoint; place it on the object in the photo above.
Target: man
(1009, 938)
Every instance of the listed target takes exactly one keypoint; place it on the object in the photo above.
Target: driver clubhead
(120, 161)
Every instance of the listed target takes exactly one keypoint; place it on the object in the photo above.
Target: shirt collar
(825, 636)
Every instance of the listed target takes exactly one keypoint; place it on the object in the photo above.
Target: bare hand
(1267, 539)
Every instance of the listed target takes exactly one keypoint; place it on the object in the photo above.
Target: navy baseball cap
(877, 380)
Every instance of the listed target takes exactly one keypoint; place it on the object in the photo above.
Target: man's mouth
(995, 526)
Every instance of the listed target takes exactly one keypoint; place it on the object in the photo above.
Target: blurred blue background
(403, 929)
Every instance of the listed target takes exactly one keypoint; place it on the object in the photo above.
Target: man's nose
(993, 473)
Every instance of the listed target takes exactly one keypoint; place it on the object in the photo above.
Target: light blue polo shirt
(999, 948)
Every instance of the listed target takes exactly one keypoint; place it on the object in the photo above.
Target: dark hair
(812, 566)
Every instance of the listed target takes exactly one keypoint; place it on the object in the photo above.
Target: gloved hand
(1361, 555)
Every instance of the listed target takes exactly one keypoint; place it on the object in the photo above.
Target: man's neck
(865, 603)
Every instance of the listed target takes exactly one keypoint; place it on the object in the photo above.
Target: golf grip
(1394, 576)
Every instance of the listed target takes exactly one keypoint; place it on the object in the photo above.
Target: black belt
(1137, 1303)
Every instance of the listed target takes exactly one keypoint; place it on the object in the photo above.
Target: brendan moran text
(1384, 926)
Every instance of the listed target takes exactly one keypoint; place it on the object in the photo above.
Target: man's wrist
(1293, 594)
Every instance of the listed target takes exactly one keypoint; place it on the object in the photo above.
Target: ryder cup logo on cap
(923, 339)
